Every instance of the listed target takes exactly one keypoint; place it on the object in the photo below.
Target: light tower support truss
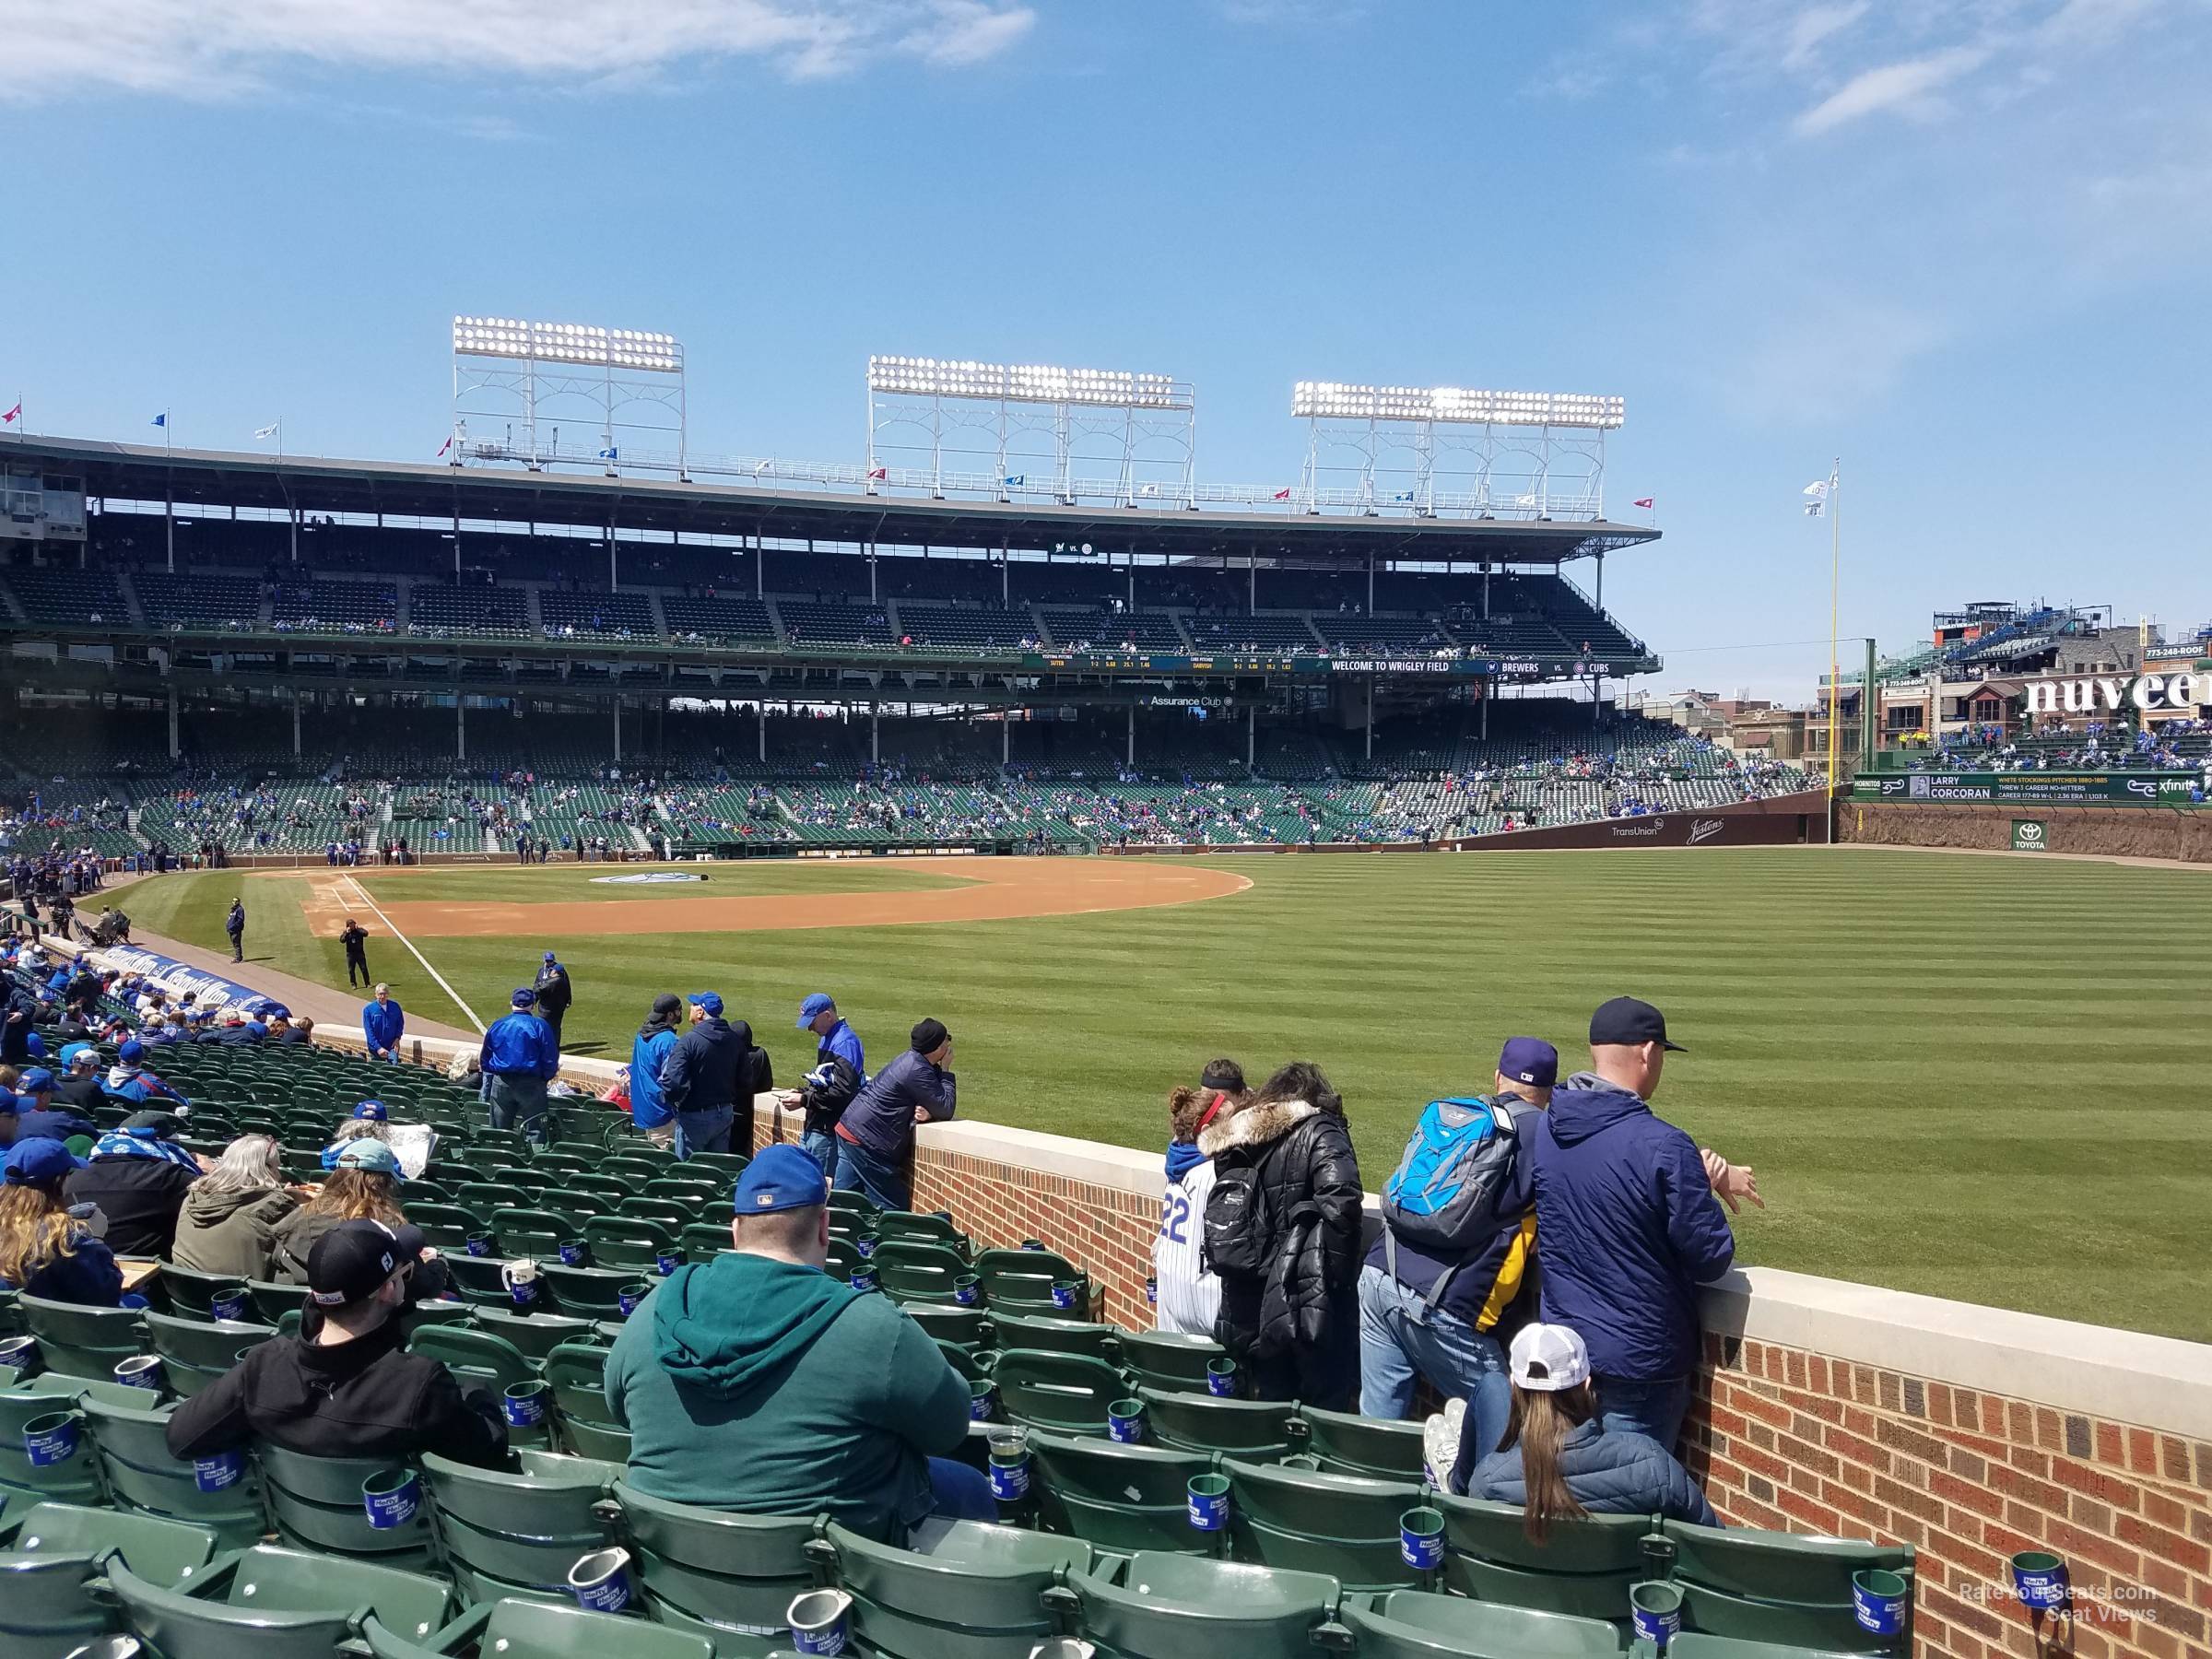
(619, 391)
(1445, 451)
(1022, 431)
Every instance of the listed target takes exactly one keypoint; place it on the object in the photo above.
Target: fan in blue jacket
(1559, 1462)
(384, 1022)
(1628, 1222)
(649, 1107)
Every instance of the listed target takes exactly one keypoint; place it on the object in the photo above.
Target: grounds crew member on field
(554, 995)
(235, 925)
(355, 937)
(518, 1053)
(384, 1023)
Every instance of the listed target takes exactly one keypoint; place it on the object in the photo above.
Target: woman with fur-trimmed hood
(1282, 1231)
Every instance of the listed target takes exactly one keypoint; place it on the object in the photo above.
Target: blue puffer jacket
(1629, 1229)
(648, 1053)
(1608, 1474)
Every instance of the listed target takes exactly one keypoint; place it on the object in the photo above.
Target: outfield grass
(1977, 1077)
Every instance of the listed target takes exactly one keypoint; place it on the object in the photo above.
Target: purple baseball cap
(1529, 1060)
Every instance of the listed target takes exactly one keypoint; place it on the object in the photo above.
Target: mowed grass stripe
(1974, 1077)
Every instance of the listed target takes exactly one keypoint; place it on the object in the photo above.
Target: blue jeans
(860, 1170)
(513, 1101)
(707, 1131)
(1400, 1339)
(1654, 1409)
(963, 1493)
(821, 1145)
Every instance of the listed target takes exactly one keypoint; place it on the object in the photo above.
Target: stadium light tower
(630, 384)
(1148, 424)
(1531, 454)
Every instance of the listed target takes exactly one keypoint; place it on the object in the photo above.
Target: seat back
(190, 1292)
(1350, 1444)
(543, 1629)
(195, 1351)
(709, 1571)
(47, 1607)
(1117, 1497)
(316, 1504)
(78, 1341)
(532, 1334)
(74, 1479)
(1167, 1360)
(587, 1292)
(1413, 1624)
(132, 1443)
(1072, 1393)
(970, 1327)
(477, 1356)
(1344, 1525)
(1179, 1607)
(1058, 1335)
(632, 1242)
(447, 1226)
(519, 1534)
(1777, 1587)
(268, 1602)
(921, 1228)
(964, 1590)
(167, 1552)
(1582, 1568)
(1256, 1430)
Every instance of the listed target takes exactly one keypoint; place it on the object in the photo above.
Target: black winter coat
(1288, 1258)
(140, 1196)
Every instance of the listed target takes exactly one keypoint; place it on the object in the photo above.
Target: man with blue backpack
(1459, 1234)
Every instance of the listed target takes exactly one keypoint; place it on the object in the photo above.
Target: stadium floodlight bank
(521, 378)
(1030, 424)
(1528, 455)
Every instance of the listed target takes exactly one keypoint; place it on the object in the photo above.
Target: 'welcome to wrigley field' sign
(2044, 788)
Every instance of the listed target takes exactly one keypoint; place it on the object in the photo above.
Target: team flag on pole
(268, 431)
(1282, 495)
(162, 419)
(1013, 480)
(610, 453)
(1645, 501)
(878, 472)
(1816, 497)
(447, 444)
(1150, 490)
(761, 466)
(14, 415)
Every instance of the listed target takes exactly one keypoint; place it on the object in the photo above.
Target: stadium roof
(220, 478)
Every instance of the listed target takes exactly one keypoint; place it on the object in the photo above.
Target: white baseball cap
(1550, 1357)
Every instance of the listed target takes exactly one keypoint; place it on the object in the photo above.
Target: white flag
(1150, 490)
(1816, 497)
(761, 466)
(268, 431)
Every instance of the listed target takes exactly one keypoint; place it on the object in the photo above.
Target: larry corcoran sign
(2146, 692)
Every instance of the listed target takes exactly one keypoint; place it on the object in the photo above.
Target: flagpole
(1835, 577)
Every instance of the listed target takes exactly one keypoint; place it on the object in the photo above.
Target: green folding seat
(48, 1601)
(1072, 1393)
(1000, 1264)
(519, 1532)
(300, 1163)
(856, 1205)
(444, 1310)
(726, 1166)
(1117, 1498)
(534, 1335)
(1413, 1624)
(1306, 1520)
(1697, 1644)
(272, 1300)
(476, 1279)
(530, 1630)
(270, 1603)
(1169, 1359)
(446, 1226)
(634, 1241)
(698, 1191)
(82, 1342)
(75, 1480)
(1348, 1443)
(974, 1366)
(588, 1292)
(1582, 1567)
(631, 1169)
(196, 1351)
(561, 1165)
(480, 1357)
(670, 1213)
(713, 1573)
(912, 1227)
(925, 1272)
(1180, 1607)
(571, 1153)
(577, 1373)
(843, 1258)
(131, 1441)
(962, 1590)
(538, 1232)
(316, 1505)
(567, 1200)
(11, 1311)
(1058, 1335)
(190, 1293)
(484, 1197)
(591, 1182)
(1256, 1430)
(970, 1327)
(1779, 1587)
(168, 1552)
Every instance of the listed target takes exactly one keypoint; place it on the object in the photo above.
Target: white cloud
(1816, 24)
(1829, 355)
(212, 48)
(1908, 88)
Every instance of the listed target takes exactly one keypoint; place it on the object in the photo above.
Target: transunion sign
(2147, 692)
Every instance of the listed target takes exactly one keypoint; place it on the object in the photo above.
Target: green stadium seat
(534, 1335)
(633, 1240)
(1169, 1359)
(131, 1442)
(673, 1214)
(272, 1300)
(1306, 1520)
(726, 1166)
(48, 1601)
(1180, 1607)
(316, 1505)
(700, 1191)
(1777, 1587)
(1117, 1498)
(196, 1351)
(190, 1294)
(587, 1292)
(574, 1201)
(446, 1226)
(535, 1232)
(82, 1342)
(1000, 1264)
(1058, 1335)
(76, 1478)
(1348, 1443)
(270, 1603)
(611, 1189)
(477, 1281)
(910, 1226)
(1413, 1624)
(577, 1371)
(963, 1590)
(1584, 1568)
(531, 1629)
(1256, 1430)
(483, 1357)
(970, 1327)
(713, 1573)
(972, 1364)
(517, 1533)
(1071, 1393)
(855, 1204)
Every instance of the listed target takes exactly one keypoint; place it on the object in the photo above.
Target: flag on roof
(1013, 480)
(1150, 490)
(162, 419)
(610, 453)
(761, 466)
(1282, 495)
(268, 431)
(878, 472)
(13, 415)
(1402, 495)
(447, 444)
(1645, 501)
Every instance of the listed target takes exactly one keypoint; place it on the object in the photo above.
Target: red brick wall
(1805, 1442)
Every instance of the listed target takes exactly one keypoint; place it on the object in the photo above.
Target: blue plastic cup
(967, 1290)
(1066, 1293)
(820, 1622)
(865, 1245)
(1032, 1244)
(2039, 1580)
(600, 1582)
(20, 1354)
(1209, 1502)
(630, 1297)
(392, 1498)
(1151, 1291)
(523, 1404)
(141, 1371)
(479, 1244)
(1221, 1377)
(1125, 1421)
(982, 1400)
(572, 1253)
(219, 1471)
(1657, 1611)
(1878, 1600)
(1421, 1538)
(1009, 1463)
(863, 1277)
(668, 1261)
(230, 1303)
(51, 1438)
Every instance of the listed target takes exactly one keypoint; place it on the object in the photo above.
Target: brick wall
(1970, 1434)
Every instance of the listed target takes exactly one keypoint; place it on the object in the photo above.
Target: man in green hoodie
(759, 1383)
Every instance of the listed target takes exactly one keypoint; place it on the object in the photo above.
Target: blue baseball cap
(712, 1002)
(70, 1050)
(814, 1006)
(1529, 1060)
(131, 1050)
(9, 1104)
(550, 956)
(372, 1111)
(523, 997)
(371, 1155)
(37, 1080)
(781, 1178)
(36, 1162)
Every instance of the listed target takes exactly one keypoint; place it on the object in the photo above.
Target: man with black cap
(1433, 1296)
(518, 1054)
(554, 993)
(345, 1386)
(876, 1136)
(713, 1069)
(355, 937)
(649, 1049)
(235, 925)
(1630, 1212)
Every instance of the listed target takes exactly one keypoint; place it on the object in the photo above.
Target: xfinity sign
(2146, 692)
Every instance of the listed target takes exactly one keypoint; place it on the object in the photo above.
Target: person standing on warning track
(355, 937)
(554, 995)
(235, 925)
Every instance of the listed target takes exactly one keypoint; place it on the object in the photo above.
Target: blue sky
(1960, 243)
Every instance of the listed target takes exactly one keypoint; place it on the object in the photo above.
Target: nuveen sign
(2145, 692)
